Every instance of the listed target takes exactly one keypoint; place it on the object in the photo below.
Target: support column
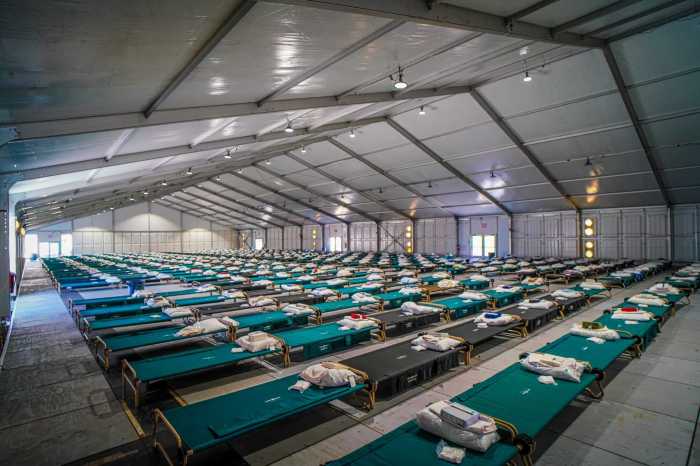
(7, 233)
(266, 237)
(323, 238)
(669, 233)
(379, 237)
(458, 250)
(347, 237)
(301, 238)
(579, 237)
(283, 232)
(413, 235)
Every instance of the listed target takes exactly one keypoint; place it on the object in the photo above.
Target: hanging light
(527, 78)
(422, 111)
(164, 183)
(588, 162)
(400, 83)
(493, 175)
(303, 149)
(145, 193)
(381, 191)
(189, 171)
(131, 198)
(289, 128)
(228, 154)
(267, 162)
(352, 133)
(239, 171)
(218, 178)
(430, 184)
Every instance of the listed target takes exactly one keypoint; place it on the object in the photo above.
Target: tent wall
(141, 227)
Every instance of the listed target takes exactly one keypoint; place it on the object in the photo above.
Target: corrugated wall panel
(436, 236)
(292, 237)
(685, 233)
(310, 242)
(363, 236)
(274, 238)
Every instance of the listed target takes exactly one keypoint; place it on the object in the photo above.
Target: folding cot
(430, 290)
(470, 284)
(384, 301)
(591, 292)
(397, 368)
(314, 341)
(106, 345)
(615, 281)
(474, 335)
(661, 313)
(202, 425)
(455, 307)
(530, 289)
(394, 322)
(502, 298)
(521, 406)
(646, 331)
(137, 375)
(535, 318)
(103, 313)
(687, 283)
(89, 303)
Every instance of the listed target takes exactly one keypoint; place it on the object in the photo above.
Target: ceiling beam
(295, 81)
(318, 194)
(100, 162)
(230, 209)
(531, 9)
(190, 208)
(289, 198)
(344, 184)
(634, 17)
(515, 139)
(385, 174)
(450, 16)
(227, 26)
(233, 213)
(634, 118)
(592, 16)
(256, 199)
(245, 204)
(91, 124)
(446, 165)
(695, 8)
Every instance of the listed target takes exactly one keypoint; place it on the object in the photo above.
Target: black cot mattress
(473, 335)
(397, 368)
(396, 323)
(534, 318)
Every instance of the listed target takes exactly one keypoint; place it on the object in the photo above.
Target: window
(336, 244)
(259, 243)
(484, 245)
(489, 245)
(31, 245)
(66, 244)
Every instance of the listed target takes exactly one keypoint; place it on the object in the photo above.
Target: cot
(474, 284)
(502, 298)
(455, 307)
(202, 425)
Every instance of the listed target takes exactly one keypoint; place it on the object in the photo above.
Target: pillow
(327, 374)
(356, 324)
(436, 342)
(478, 437)
(176, 312)
(257, 341)
(554, 366)
(411, 308)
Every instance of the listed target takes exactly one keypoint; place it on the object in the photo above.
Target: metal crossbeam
(385, 174)
(318, 194)
(515, 139)
(227, 26)
(636, 16)
(91, 124)
(273, 204)
(344, 184)
(246, 205)
(293, 82)
(230, 209)
(634, 118)
(593, 15)
(531, 9)
(695, 8)
(290, 198)
(450, 16)
(446, 165)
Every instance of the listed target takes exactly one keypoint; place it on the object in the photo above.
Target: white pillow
(356, 324)
(329, 375)
(429, 419)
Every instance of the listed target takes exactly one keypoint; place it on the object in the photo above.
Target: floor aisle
(56, 405)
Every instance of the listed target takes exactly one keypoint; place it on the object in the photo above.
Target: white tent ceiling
(107, 101)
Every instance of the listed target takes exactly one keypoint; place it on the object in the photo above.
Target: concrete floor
(55, 404)
(66, 411)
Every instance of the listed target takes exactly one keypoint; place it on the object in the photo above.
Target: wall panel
(292, 237)
(363, 236)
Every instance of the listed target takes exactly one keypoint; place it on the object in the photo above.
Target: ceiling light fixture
(289, 128)
(145, 193)
(239, 171)
(164, 183)
(189, 171)
(303, 150)
(527, 78)
(131, 198)
(352, 133)
(493, 175)
(430, 184)
(218, 178)
(400, 83)
(588, 162)
(268, 162)
(381, 191)
(421, 112)
(228, 154)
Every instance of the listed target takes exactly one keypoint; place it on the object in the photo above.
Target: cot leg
(184, 456)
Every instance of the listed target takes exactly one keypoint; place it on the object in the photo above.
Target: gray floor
(56, 405)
